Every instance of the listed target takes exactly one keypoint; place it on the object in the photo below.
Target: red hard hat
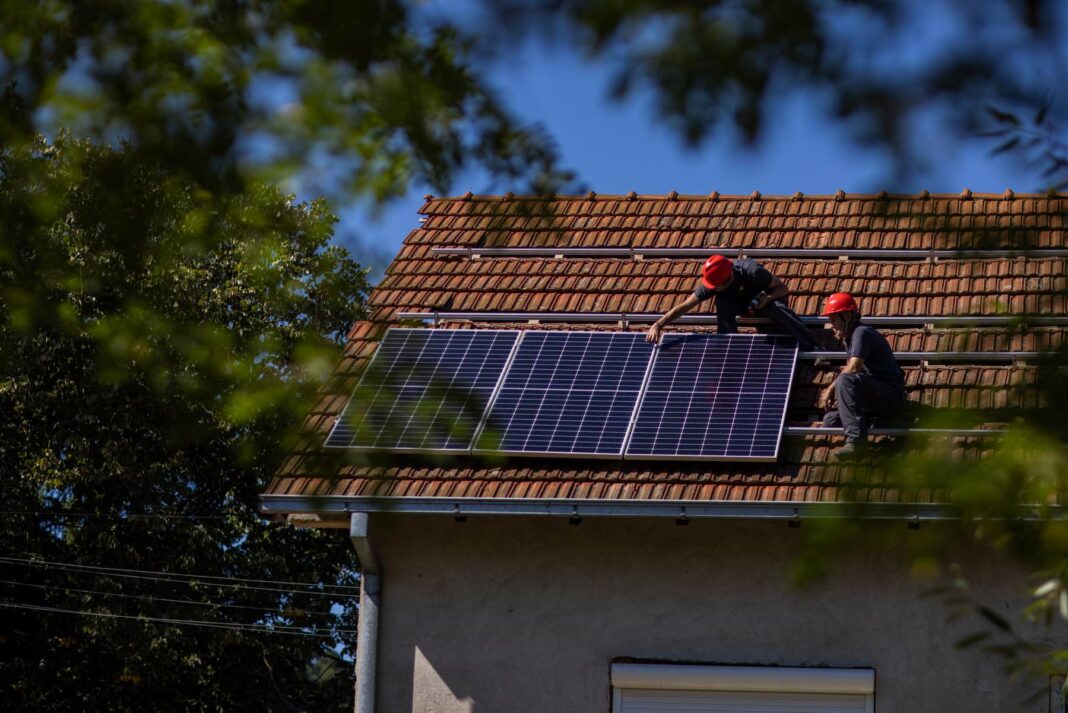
(716, 271)
(840, 302)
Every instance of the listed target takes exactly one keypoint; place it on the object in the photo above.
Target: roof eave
(326, 506)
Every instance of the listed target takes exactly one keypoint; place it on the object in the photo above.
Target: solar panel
(424, 390)
(567, 393)
(715, 397)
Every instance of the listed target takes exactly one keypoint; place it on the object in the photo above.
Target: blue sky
(619, 147)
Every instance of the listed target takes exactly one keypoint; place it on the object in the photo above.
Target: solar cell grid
(715, 397)
(424, 389)
(597, 394)
(568, 393)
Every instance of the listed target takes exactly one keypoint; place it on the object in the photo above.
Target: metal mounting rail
(936, 356)
(817, 253)
(647, 317)
(827, 431)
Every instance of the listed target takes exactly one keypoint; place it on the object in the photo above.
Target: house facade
(534, 584)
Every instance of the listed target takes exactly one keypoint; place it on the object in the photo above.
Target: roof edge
(274, 505)
(964, 195)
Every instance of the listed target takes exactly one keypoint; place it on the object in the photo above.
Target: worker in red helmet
(870, 385)
(740, 287)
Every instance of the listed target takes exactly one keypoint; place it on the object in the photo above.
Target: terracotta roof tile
(420, 280)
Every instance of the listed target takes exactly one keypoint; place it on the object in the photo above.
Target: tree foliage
(166, 317)
(215, 88)
(158, 346)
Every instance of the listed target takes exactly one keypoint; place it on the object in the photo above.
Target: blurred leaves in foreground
(165, 316)
(365, 91)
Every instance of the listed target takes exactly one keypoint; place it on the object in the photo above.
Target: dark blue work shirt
(750, 279)
(879, 361)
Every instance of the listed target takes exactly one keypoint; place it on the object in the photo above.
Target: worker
(870, 385)
(740, 287)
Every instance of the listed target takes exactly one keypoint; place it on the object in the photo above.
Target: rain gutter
(581, 508)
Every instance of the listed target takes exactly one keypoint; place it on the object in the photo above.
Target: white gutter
(571, 508)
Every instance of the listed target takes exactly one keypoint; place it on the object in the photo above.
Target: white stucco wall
(527, 614)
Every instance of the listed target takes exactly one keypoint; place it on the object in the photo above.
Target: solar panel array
(717, 397)
(593, 394)
(569, 393)
(425, 389)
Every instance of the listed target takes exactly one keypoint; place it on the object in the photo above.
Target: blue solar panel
(568, 393)
(715, 397)
(424, 390)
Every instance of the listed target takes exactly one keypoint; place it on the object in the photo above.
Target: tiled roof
(419, 280)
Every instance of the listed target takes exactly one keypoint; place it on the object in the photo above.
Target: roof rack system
(967, 357)
(816, 253)
(648, 317)
(951, 432)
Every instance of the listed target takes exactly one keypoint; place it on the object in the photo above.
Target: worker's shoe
(822, 364)
(850, 451)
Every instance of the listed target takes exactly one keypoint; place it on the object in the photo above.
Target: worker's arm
(776, 290)
(853, 366)
(653, 335)
(828, 399)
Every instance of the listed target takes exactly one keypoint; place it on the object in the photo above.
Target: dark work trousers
(781, 316)
(862, 397)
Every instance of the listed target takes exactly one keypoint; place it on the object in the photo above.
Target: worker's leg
(727, 311)
(786, 319)
(860, 397)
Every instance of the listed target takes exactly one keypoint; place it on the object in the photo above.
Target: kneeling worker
(739, 287)
(871, 384)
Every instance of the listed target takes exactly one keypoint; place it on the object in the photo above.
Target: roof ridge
(755, 196)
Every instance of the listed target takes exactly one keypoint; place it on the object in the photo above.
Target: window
(662, 688)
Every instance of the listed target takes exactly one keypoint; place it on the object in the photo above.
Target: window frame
(739, 678)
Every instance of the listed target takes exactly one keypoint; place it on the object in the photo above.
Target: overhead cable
(182, 622)
(178, 577)
(152, 598)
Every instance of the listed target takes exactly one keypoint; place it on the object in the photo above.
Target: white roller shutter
(660, 688)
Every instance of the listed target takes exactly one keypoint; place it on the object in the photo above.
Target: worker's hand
(828, 398)
(653, 335)
(762, 302)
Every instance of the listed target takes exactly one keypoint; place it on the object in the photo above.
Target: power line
(152, 598)
(186, 581)
(173, 574)
(260, 628)
(193, 578)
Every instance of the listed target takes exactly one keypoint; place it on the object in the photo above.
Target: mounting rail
(969, 357)
(827, 431)
(648, 317)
